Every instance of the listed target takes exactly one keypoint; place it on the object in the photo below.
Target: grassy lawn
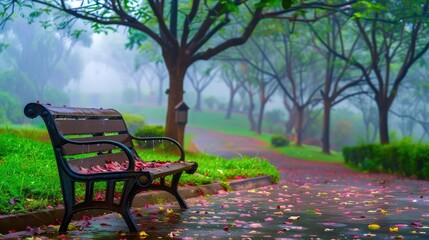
(30, 178)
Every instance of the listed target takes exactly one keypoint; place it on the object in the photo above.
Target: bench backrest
(83, 124)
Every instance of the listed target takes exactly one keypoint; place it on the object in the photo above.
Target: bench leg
(132, 226)
(65, 223)
(129, 219)
(175, 191)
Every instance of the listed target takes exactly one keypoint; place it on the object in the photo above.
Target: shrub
(134, 122)
(149, 131)
(403, 158)
(279, 141)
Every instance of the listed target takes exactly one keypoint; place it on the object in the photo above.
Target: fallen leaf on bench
(112, 166)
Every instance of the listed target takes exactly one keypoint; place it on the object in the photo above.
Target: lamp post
(181, 120)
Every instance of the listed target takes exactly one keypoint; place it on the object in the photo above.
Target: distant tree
(38, 61)
(132, 65)
(332, 34)
(230, 77)
(273, 119)
(369, 114)
(302, 81)
(405, 105)
(157, 68)
(395, 37)
(200, 78)
(186, 36)
(248, 80)
(294, 73)
(412, 107)
(292, 115)
(256, 54)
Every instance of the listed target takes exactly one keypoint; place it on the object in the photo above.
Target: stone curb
(20, 221)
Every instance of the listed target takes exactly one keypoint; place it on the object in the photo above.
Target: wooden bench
(87, 142)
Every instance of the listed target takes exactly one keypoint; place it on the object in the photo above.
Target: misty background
(98, 70)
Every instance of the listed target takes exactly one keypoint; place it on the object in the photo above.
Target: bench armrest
(182, 152)
(127, 151)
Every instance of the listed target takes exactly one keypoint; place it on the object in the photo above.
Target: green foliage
(149, 131)
(286, 4)
(10, 110)
(404, 158)
(279, 141)
(367, 154)
(134, 122)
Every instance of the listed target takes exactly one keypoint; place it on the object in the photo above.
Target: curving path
(337, 201)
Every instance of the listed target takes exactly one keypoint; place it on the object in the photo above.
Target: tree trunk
(326, 126)
(383, 112)
(250, 113)
(290, 123)
(260, 117)
(289, 126)
(298, 126)
(232, 93)
(175, 96)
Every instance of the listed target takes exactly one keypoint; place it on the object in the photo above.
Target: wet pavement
(313, 200)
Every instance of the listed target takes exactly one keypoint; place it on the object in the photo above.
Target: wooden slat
(74, 111)
(73, 149)
(67, 126)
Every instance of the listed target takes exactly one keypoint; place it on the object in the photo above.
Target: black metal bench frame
(102, 135)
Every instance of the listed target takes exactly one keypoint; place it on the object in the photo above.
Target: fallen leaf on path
(373, 226)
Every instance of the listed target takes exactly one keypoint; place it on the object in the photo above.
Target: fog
(96, 70)
(101, 75)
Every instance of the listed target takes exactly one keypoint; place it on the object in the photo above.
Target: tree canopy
(186, 31)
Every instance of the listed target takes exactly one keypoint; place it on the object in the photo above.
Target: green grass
(29, 174)
(30, 177)
(312, 153)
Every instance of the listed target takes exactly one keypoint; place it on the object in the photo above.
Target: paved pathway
(313, 200)
(331, 200)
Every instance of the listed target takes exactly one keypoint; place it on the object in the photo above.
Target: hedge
(403, 158)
